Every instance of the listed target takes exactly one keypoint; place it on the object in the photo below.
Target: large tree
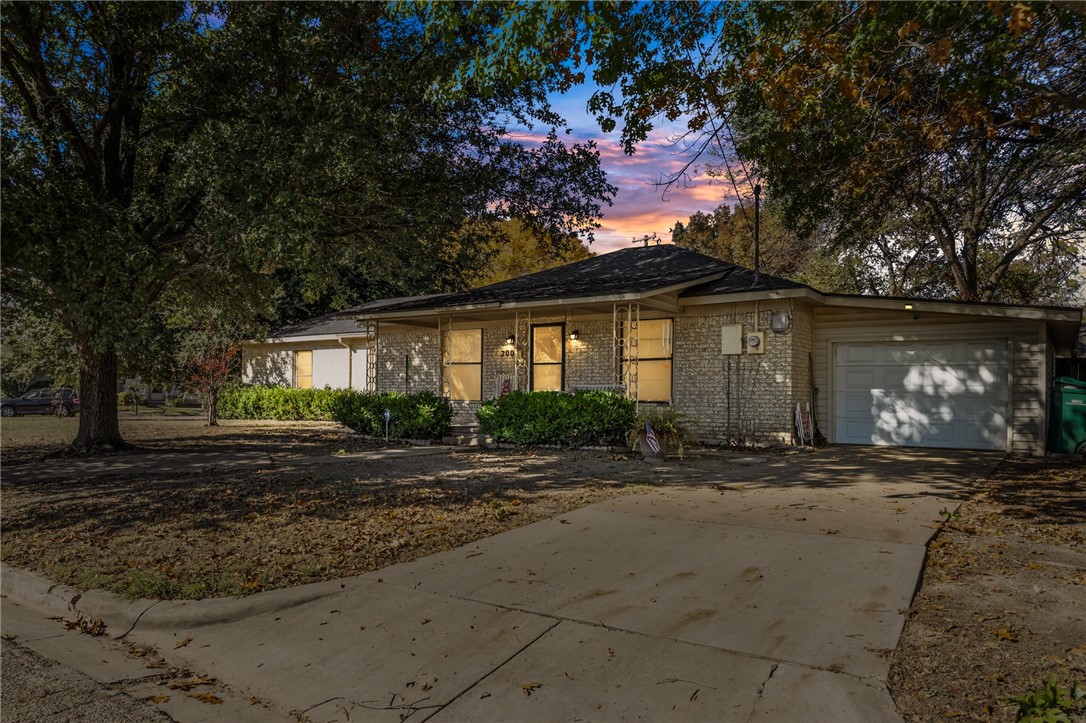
(151, 145)
(964, 120)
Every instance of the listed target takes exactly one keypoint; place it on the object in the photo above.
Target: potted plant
(659, 431)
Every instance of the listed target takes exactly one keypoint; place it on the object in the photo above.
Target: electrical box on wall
(731, 339)
(755, 342)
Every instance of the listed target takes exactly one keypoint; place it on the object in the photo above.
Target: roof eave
(762, 295)
(1030, 313)
(534, 303)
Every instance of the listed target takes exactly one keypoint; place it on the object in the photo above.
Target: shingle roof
(738, 279)
(634, 270)
(325, 324)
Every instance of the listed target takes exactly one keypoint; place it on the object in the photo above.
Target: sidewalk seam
(496, 668)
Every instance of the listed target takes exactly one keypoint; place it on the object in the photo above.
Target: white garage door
(922, 394)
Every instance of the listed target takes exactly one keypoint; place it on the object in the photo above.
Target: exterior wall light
(511, 340)
(780, 322)
(908, 307)
(574, 335)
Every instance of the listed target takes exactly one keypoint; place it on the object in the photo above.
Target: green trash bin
(1067, 422)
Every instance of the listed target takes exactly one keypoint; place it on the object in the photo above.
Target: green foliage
(131, 398)
(668, 425)
(1050, 703)
(250, 144)
(35, 346)
(281, 403)
(940, 144)
(419, 415)
(568, 420)
(516, 250)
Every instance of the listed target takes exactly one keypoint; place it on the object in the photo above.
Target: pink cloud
(640, 207)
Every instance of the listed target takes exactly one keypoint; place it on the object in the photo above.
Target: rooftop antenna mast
(648, 238)
(757, 231)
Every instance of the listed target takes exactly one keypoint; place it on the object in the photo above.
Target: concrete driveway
(763, 591)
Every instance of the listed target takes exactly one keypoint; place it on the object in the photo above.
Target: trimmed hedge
(282, 403)
(568, 420)
(421, 415)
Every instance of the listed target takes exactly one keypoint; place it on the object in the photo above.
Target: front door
(548, 357)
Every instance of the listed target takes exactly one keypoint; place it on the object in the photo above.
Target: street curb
(122, 616)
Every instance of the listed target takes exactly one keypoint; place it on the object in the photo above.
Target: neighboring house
(315, 353)
(733, 352)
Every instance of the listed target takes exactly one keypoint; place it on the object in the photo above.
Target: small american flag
(650, 439)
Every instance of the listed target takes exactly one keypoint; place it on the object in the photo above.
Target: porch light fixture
(908, 307)
(573, 336)
(511, 340)
(780, 322)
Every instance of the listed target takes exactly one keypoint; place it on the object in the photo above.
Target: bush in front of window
(582, 419)
(418, 415)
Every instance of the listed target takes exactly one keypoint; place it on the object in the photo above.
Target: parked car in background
(61, 401)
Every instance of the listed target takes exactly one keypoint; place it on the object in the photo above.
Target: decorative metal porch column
(444, 326)
(371, 356)
(522, 346)
(625, 322)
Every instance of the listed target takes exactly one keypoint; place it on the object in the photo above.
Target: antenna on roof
(649, 237)
(757, 230)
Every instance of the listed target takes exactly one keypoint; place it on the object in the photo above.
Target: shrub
(668, 425)
(421, 415)
(568, 420)
(281, 403)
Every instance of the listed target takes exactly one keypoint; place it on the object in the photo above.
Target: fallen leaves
(95, 628)
(529, 688)
(189, 683)
(247, 533)
(182, 643)
(208, 697)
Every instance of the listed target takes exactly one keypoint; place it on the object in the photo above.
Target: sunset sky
(639, 207)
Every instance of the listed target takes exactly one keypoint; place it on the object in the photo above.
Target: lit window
(654, 360)
(464, 364)
(303, 369)
(548, 355)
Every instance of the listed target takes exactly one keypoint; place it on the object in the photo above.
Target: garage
(938, 393)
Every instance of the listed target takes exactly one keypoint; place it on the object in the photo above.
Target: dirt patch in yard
(26, 440)
(1003, 601)
(311, 516)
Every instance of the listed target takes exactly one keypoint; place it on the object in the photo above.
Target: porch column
(625, 322)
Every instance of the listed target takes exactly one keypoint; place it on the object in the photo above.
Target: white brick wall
(747, 398)
(744, 397)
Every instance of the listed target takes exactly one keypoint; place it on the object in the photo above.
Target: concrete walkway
(777, 597)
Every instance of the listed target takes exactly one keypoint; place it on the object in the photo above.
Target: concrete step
(468, 440)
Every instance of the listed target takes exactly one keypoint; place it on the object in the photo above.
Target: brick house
(733, 351)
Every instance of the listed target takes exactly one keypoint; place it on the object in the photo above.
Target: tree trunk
(99, 429)
(213, 407)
